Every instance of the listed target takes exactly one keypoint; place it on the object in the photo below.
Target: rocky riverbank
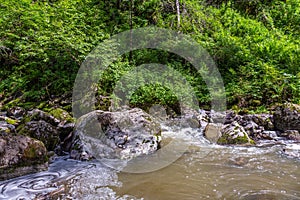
(29, 139)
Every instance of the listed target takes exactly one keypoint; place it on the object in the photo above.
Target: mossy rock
(36, 150)
(42, 131)
(237, 140)
(21, 155)
(11, 121)
(61, 114)
(234, 134)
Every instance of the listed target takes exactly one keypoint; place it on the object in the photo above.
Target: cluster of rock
(29, 138)
(19, 154)
(246, 129)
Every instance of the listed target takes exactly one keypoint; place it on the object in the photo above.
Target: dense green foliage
(255, 44)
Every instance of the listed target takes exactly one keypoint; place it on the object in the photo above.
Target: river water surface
(204, 171)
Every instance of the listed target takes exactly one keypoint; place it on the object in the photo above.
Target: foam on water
(204, 171)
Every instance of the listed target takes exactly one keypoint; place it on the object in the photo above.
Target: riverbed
(202, 171)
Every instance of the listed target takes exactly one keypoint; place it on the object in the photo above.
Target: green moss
(222, 140)
(11, 121)
(12, 103)
(20, 129)
(225, 139)
(42, 105)
(19, 102)
(28, 105)
(31, 153)
(61, 114)
(241, 140)
(252, 142)
(68, 107)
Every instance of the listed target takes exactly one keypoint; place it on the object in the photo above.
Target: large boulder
(54, 132)
(125, 134)
(20, 155)
(287, 117)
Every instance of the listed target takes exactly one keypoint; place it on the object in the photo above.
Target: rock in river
(125, 134)
(212, 132)
(234, 134)
(20, 155)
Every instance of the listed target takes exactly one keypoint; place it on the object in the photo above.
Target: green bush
(255, 45)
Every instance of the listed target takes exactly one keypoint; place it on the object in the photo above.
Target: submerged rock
(124, 134)
(292, 150)
(20, 155)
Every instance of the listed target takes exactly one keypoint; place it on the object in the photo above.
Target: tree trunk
(178, 13)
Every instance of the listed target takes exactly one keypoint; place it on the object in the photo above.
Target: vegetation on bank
(255, 44)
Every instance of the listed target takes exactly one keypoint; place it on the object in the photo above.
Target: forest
(255, 45)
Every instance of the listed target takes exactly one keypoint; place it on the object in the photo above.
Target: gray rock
(42, 131)
(212, 132)
(234, 134)
(36, 115)
(217, 117)
(253, 129)
(269, 135)
(7, 128)
(16, 112)
(231, 116)
(287, 117)
(56, 134)
(264, 120)
(124, 134)
(291, 134)
(254, 124)
(20, 155)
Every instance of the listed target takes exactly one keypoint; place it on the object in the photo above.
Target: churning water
(204, 171)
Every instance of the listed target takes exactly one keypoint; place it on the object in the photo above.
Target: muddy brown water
(203, 171)
(226, 173)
